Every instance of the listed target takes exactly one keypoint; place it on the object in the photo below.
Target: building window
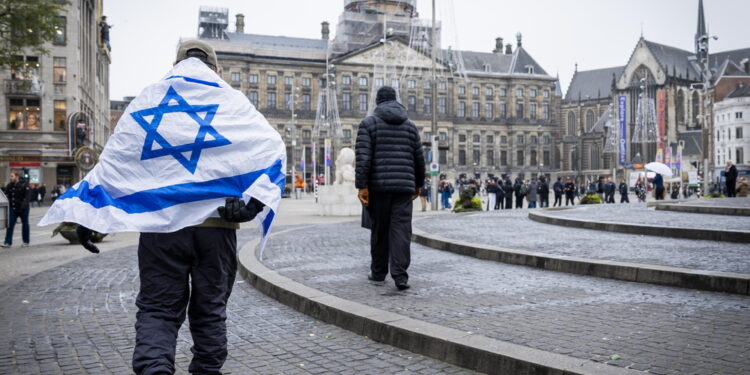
(442, 136)
(288, 101)
(306, 81)
(426, 85)
(235, 76)
(532, 140)
(253, 78)
(475, 110)
(590, 120)
(253, 96)
(545, 139)
(427, 104)
(519, 158)
(462, 137)
(24, 114)
(411, 84)
(347, 133)
(696, 108)
(519, 110)
(461, 157)
(306, 102)
(379, 82)
(519, 139)
(545, 111)
(680, 107)
(738, 115)
(443, 157)
(271, 100)
(739, 156)
(427, 137)
(476, 138)
(532, 111)
(288, 80)
(503, 92)
(489, 91)
(519, 93)
(346, 80)
(475, 91)
(395, 83)
(503, 139)
(738, 133)
(306, 134)
(503, 110)
(442, 105)
(490, 139)
(532, 93)
(595, 158)
(59, 71)
(489, 110)
(475, 157)
(545, 94)
(363, 102)
(571, 123)
(271, 80)
(411, 102)
(61, 114)
(363, 81)
(346, 101)
(532, 158)
(461, 109)
(442, 85)
(461, 90)
(61, 25)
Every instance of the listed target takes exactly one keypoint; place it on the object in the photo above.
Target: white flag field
(181, 147)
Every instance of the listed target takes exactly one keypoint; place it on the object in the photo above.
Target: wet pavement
(651, 328)
(513, 229)
(79, 318)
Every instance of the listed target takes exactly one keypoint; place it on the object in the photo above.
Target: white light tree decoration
(645, 118)
(610, 129)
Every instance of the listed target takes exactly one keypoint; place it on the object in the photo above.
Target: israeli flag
(183, 146)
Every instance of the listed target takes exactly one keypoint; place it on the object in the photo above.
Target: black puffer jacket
(389, 152)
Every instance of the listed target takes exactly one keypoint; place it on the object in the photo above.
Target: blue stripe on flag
(168, 196)
(267, 222)
(195, 80)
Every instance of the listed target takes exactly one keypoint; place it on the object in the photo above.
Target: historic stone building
(672, 80)
(499, 113)
(38, 100)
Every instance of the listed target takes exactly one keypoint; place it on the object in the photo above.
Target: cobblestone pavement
(513, 229)
(721, 202)
(78, 319)
(657, 329)
(638, 214)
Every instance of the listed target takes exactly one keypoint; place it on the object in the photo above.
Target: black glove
(84, 236)
(236, 211)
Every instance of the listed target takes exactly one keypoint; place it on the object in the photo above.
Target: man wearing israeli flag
(187, 154)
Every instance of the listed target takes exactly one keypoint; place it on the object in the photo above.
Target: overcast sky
(557, 33)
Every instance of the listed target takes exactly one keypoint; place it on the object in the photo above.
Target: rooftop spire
(701, 29)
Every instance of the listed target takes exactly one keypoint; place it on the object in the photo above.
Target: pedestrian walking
(424, 194)
(730, 173)
(623, 188)
(532, 194)
(570, 190)
(659, 187)
(640, 190)
(299, 186)
(446, 193)
(609, 190)
(18, 193)
(390, 170)
(558, 190)
(520, 190)
(491, 194)
(543, 192)
(500, 194)
(42, 193)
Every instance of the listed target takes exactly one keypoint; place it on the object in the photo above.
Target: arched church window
(590, 119)
(696, 107)
(571, 123)
(680, 107)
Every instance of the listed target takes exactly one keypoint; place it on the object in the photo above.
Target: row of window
(520, 139)
(722, 156)
(29, 68)
(489, 110)
(490, 158)
(270, 79)
(728, 116)
(25, 114)
(726, 134)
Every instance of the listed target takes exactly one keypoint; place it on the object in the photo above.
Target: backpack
(522, 190)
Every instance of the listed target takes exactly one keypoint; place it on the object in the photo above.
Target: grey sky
(557, 33)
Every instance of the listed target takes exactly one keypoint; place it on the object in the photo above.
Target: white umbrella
(659, 168)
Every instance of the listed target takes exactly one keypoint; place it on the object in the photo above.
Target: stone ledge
(646, 230)
(710, 210)
(727, 282)
(468, 350)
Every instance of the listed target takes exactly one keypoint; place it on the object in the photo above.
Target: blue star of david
(179, 152)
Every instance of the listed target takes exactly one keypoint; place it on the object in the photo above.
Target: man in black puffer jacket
(390, 171)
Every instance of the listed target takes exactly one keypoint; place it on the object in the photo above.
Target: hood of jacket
(391, 112)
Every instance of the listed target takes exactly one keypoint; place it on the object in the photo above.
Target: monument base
(338, 200)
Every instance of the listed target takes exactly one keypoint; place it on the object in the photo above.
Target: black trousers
(192, 269)
(390, 237)
(558, 200)
(508, 202)
(624, 198)
(519, 202)
(570, 198)
(731, 188)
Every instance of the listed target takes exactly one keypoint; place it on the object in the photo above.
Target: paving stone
(643, 323)
(80, 319)
(512, 229)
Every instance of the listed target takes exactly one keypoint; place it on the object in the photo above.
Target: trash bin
(4, 206)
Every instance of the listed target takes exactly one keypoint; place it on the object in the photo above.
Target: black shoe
(371, 278)
(403, 286)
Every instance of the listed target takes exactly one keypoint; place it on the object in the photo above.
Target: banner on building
(668, 157)
(623, 129)
(327, 146)
(661, 120)
(678, 160)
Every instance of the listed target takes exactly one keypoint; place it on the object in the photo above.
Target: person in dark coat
(731, 176)
(609, 191)
(558, 190)
(600, 188)
(570, 192)
(390, 169)
(18, 193)
(42, 193)
(543, 191)
(519, 188)
(623, 192)
(508, 188)
(500, 193)
(659, 187)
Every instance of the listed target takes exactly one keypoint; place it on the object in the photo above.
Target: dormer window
(486, 68)
(529, 69)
